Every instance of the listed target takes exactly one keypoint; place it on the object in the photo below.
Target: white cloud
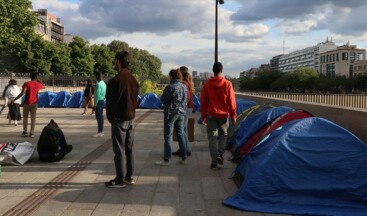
(182, 32)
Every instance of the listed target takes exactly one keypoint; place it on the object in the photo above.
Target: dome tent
(150, 101)
(253, 123)
(45, 98)
(76, 100)
(308, 166)
(61, 99)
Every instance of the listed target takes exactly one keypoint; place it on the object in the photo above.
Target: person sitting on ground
(52, 146)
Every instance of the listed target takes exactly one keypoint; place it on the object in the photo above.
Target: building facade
(308, 57)
(360, 68)
(274, 63)
(68, 38)
(339, 62)
(49, 27)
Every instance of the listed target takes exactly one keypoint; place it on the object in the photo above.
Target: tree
(60, 62)
(283, 83)
(145, 65)
(148, 86)
(304, 78)
(81, 57)
(17, 24)
(118, 46)
(37, 55)
(103, 58)
(264, 79)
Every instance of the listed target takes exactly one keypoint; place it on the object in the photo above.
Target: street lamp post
(216, 29)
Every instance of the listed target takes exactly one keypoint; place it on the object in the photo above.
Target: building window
(352, 56)
(330, 70)
(344, 56)
(360, 56)
(337, 56)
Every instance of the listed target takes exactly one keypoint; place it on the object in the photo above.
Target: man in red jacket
(217, 102)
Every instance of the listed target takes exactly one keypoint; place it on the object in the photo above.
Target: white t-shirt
(12, 92)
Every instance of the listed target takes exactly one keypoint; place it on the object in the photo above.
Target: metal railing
(54, 83)
(342, 100)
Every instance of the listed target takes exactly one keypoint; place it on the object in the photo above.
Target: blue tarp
(76, 100)
(310, 167)
(150, 101)
(196, 101)
(45, 98)
(61, 99)
(254, 122)
(243, 104)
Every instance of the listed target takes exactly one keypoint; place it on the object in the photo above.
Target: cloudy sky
(181, 32)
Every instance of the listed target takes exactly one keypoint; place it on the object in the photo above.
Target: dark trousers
(122, 134)
(99, 115)
(14, 112)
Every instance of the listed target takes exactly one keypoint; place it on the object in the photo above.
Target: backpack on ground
(52, 145)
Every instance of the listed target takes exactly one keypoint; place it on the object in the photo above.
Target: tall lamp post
(216, 29)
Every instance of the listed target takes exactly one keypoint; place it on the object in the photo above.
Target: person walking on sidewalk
(122, 92)
(187, 80)
(30, 89)
(174, 99)
(14, 111)
(99, 96)
(88, 97)
(217, 102)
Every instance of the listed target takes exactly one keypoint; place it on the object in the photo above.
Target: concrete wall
(354, 120)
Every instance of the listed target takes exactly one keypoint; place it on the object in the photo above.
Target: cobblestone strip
(32, 202)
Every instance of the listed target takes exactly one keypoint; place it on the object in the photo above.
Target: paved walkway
(75, 186)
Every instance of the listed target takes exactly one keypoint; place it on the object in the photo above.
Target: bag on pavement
(16, 153)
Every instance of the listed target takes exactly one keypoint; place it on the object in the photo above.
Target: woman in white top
(14, 111)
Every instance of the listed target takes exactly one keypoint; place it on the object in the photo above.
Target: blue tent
(61, 99)
(254, 122)
(243, 104)
(45, 98)
(150, 101)
(196, 101)
(309, 166)
(76, 100)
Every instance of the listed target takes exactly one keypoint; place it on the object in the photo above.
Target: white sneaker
(162, 163)
(98, 135)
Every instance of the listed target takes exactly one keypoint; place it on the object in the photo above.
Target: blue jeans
(176, 121)
(99, 115)
(188, 147)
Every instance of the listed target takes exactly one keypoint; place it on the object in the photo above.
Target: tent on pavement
(196, 100)
(243, 104)
(61, 99)
(45, 98)
(76, 100)
(253, 123)
(272, 125)
(233, 129)
(309, 166)
(151, 101)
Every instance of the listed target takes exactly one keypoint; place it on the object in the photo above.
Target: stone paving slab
(192, 189)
